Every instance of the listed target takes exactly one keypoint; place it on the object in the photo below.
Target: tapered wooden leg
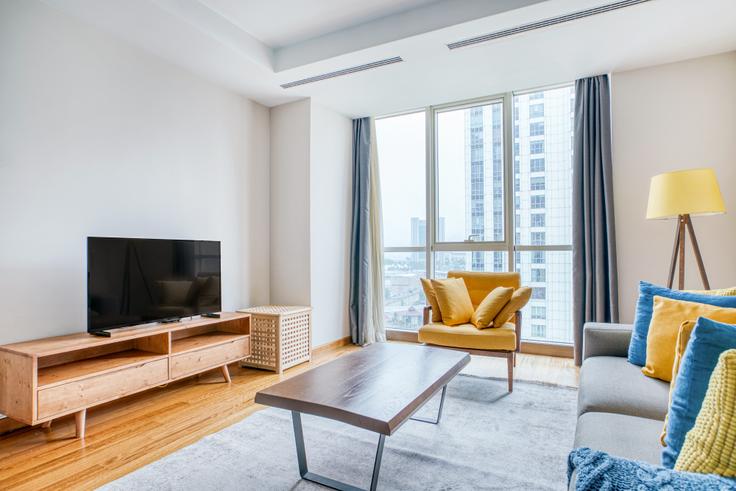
(510, 363)
(225, 373)
(80, 418)
(681, 254)
(696, 251)
(514, 358)
(673, 261)
(46, 425)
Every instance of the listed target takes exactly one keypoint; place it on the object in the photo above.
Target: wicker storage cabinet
(281, 336)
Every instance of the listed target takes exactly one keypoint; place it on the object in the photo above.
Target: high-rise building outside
(543, 138)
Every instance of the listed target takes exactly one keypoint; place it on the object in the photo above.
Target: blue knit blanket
(600, 471)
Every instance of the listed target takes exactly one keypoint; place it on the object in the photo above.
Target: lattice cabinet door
(281, 336)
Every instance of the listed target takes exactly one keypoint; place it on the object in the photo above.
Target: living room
(400, 244)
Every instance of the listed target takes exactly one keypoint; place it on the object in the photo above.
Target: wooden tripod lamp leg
(696, 251)
(673, 261)
(681, 253)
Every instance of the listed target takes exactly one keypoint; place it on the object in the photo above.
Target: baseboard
(399, 335)
(331, 345)
(548, 349)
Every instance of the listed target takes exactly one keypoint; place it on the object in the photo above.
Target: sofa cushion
(491, 306)
(612, 384)
(667, 318)
(643, 315)
(431, 299)
(467, 336)
(709, 445)
(621, 435)
(454, 301)
(708, 340)
(518, 300)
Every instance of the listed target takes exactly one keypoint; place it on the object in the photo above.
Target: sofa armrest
(605, 339)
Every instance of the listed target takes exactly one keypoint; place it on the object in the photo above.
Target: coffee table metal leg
(301, 456)
(439, 413)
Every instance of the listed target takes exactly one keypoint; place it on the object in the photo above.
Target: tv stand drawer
(97, 389)
(211, 357)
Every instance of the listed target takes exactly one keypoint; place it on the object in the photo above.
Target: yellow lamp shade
(685, 192)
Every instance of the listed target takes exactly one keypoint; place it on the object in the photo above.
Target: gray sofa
(620, 411)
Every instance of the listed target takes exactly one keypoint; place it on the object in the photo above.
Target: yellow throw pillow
(683, 337)
(709, 445)
(721, 292)
(667, 317)
(491, 306)
(431, 299)
(454, 301)
(518, 300)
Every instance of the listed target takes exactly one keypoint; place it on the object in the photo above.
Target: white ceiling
(253, 46)
(280, 23)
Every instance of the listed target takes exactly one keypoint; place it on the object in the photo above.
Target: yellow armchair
(503, 341)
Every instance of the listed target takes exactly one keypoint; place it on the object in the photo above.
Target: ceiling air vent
(345, 71)
(545, 23)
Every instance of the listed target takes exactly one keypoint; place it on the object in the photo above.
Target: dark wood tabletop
(376, 388)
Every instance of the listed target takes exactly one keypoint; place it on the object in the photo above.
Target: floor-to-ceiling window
(542, 165)
(402, 164)
(482, 186)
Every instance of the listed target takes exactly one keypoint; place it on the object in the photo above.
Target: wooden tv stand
(48, 378)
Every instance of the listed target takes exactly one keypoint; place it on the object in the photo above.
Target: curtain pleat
(595, 277)
(366, 242)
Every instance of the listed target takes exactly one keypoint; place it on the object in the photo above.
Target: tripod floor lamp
(680, 195)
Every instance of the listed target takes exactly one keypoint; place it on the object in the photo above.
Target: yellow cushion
(431, 300)
(667, 317)
(468, 336)
(454, 301)
(518, 300)
(721, 292)
(481, 284)
(709, 445)
(490, 307)
(683, 337)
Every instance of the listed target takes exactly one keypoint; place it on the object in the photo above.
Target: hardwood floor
(127, 434)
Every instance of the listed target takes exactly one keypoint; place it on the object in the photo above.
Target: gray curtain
(360, 279)
(595, 284)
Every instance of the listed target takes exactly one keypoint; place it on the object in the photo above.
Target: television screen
(136, 281)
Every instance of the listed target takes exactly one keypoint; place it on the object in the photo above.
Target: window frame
(432, 245)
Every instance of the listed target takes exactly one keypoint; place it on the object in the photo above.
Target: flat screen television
(137, 281)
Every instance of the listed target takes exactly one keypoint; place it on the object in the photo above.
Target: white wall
(310, 213)
(290, 260)
(676, 116)
(330, 218)
(99, 138)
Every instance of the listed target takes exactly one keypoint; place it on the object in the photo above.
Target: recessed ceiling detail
(346, 71)
(545, 23)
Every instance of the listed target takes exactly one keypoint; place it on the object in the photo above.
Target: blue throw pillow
(708, 340)
(645, 306)
(597, 470)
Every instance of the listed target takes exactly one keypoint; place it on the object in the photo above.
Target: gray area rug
(487, 439)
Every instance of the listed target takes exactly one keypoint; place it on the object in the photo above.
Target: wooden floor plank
(127, 434)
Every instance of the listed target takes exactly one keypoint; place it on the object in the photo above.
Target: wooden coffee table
(377, 388)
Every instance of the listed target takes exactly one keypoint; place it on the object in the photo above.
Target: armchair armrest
(426, 314)
(606, 339)
(517, 328)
